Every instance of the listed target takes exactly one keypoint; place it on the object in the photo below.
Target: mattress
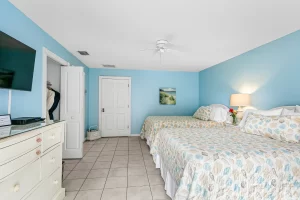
(153, 124)
(225, 163)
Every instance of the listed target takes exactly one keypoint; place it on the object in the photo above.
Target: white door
(114, 107)
(72, 110)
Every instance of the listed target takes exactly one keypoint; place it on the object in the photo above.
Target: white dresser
(31, 162)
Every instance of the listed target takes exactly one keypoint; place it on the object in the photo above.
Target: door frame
(48, 54)
(99, 100)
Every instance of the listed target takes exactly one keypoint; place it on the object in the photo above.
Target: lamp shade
(240, 100)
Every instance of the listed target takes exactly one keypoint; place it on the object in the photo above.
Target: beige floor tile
(136, 163)
(65, 174)
(89, 159)
(135, 181)
(116, 172)
(107, 153)
(136, 157)
(96, 149)
(135, 171)
(73, 185)
(147, 157)
(93, 154)
(72, 161)
(69, 167)
(119, 164)
(70, 195)
(98, 173)
(121, 153)
(135, 153)
(84, 166)
(104, 158)
(152, 171)
(114, 194)
(149, 163)
(116, 182)
(93, 184)
(139, 193)
(158, 192)
(155, 180)
(102, 165)
(120, 158)
(80, 174)
(89, 195)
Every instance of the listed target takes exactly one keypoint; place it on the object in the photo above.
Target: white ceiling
(209, 31)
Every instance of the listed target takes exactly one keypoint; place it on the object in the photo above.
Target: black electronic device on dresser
(25, 120)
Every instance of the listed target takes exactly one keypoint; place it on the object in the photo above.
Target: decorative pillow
(286, 112)
(275, 112)
(298, 109)
(283, 128)
(218, 114)
(254, 124)
(203, 113)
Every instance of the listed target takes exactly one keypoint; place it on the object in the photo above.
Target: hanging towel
(55, 103)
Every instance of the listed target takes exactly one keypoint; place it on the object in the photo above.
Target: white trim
(9, 102)
(48, 54)
(99, 101)
(135, 135)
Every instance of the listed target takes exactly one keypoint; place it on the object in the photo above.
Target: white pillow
(286, 112)
(218, 114)
(275, 112)
(298, 109)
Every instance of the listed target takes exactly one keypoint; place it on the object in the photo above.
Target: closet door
(73, 110)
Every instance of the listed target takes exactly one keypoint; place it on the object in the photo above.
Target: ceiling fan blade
(169, 37)
(174, 47)
(147, 49)
(155, 51)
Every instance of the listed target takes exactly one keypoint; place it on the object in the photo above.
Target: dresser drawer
(51, 137)
(15, 150)
(21, 182)
(51, 161)
(12, 166)
(48, 188)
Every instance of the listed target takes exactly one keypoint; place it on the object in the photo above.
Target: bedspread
(153, 124)
(225, 163)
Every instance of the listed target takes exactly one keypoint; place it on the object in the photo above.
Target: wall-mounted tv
(16, 64)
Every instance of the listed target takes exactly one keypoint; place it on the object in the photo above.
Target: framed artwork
(167, 96)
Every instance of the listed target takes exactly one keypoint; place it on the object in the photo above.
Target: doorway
(115, 106)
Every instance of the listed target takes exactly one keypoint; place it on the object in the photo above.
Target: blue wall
(270, 73)
(145, 93)
(16, 24)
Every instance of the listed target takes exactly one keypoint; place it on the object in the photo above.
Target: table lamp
(240, 100)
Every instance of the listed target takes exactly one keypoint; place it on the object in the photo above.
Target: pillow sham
(218, 114)
(298, 109)
(275, 112)
(282, 128)
(287, 112)
(203, 113)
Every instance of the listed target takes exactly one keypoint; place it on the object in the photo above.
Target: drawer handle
(16, 188)
(38, 152)
(38, 140)
(52, 160)
(55, 182)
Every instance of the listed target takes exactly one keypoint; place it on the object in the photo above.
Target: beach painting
(167, 96)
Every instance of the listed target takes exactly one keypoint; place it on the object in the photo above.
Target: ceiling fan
(162, 46)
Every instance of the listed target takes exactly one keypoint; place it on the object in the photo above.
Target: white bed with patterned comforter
(225, 163)
(154, 124)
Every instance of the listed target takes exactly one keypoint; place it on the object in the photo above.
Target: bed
(225, 163)
(154, 124)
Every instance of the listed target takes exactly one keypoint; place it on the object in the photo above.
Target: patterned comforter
(153, 124)
(225, 163)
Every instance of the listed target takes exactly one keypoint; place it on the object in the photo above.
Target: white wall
(53, 75)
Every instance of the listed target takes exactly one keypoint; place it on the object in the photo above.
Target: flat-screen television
(16, 64)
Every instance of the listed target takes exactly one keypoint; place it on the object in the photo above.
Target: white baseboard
(135, 135)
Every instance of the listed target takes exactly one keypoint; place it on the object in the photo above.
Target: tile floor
(114, 169)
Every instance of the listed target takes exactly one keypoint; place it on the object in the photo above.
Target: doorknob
(102, 109)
